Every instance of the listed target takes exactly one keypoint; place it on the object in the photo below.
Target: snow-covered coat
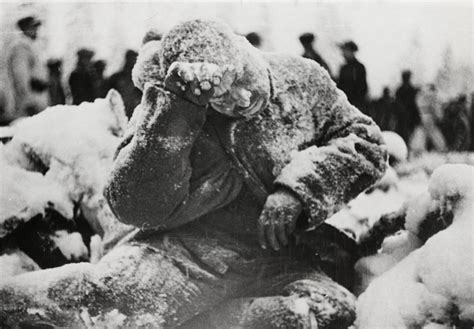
(183, 162)
(23, 66)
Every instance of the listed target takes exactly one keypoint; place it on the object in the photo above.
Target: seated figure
(229, 167)
(232, 147)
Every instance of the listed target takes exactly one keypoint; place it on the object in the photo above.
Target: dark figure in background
(81, 80)
(307, 41)
(254, 39)
(101, 84)
(352, 77)
(408, 116)
(122, 82)
(455, 125)
(56, 90)
(27, 78)
(383, 111)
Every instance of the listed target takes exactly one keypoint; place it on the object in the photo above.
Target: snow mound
(435, 283)
(16, 263)
(71, 245)
(25, 194)
(73, 147)
(396, 146)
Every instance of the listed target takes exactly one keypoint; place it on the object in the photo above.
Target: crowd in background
(416, 114)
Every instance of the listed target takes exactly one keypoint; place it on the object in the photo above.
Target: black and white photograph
(237, 164)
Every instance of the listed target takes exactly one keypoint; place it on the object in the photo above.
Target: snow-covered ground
(434, 284)
(60, 159)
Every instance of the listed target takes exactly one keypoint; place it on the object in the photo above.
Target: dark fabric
(56, 91)
(131, 95)
(385, 112)
(81, 82)
(455, 126)
(408, 115)
(353, 82)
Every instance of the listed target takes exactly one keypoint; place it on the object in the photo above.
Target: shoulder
(285, 67)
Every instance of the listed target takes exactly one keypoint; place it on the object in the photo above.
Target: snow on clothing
(315, 56)
(186, 168)
(23, 68)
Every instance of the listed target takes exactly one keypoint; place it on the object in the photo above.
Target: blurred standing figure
(56, 90)
(81, 80)
(408, 116)
(352, 77)
(100, 83)
(26, 74)
(307, 41)
(254, 39)
(122, 82)
(383, 111)
(427, 135)
(456, 126)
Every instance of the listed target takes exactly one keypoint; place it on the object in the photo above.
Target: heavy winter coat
(183, 162)
(24, 69)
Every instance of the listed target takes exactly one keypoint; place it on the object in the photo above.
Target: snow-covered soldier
(231, 156)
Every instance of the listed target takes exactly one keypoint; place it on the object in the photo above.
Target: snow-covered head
(203, 41)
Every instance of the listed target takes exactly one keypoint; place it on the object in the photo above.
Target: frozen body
(231, 146)
(255, 145)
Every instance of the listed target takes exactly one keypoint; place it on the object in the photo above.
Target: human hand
(278, 219)
(194, 81)
(206, 83)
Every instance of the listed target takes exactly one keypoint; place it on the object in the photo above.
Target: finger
(186, 72)
(281, 233)
(242, 96)
(271, 237)
(205, 85)
(195, 88)
(261, 232)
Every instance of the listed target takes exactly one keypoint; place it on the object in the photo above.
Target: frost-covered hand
(278, 219)
(194, 81)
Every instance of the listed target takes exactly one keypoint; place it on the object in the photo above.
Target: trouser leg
(290, 300)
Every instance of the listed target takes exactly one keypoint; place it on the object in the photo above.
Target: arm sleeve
(346, 158)
(151, 184)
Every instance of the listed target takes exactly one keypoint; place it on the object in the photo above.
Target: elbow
(136, 205)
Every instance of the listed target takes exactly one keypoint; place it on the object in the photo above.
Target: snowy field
(421, 273)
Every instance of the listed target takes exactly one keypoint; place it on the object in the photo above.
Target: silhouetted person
(455, 125)
(101, 84)
(27, 77)
(122, 82)
(383, 111)
(409, 115)
(307, 41)
(352, 77)
(56, 90)
(254, 39)
(81, 80)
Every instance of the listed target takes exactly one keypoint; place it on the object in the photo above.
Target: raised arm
(152, 182)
